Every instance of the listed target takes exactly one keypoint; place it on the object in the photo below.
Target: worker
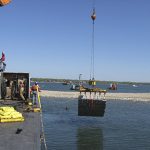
(8, 88)
(2, 63)
(21, 90)
(34, 89)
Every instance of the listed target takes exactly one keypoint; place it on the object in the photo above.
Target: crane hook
(93, 16)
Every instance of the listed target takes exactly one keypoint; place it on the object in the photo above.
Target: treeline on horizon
(73, 80)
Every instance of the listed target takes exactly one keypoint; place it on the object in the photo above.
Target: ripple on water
(125, 125)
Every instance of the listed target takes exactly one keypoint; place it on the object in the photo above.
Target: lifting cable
(93, 17)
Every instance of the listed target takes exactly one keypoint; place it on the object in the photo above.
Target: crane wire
(92, 69)
(93, 3)
(93, 48)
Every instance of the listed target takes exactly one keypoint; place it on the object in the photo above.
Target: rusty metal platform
(89, 107)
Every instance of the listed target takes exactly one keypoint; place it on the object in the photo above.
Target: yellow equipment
(9, 114)
(83, 89)
(4, 2)
(30, 104)
(36, 109)
(92, 82)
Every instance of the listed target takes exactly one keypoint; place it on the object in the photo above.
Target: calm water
(123, 88)
(125, 126)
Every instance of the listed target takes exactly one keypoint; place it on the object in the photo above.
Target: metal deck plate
(27, 139)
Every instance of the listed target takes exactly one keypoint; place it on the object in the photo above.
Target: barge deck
(21, 135)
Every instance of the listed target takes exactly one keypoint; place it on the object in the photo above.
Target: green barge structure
(25, 134)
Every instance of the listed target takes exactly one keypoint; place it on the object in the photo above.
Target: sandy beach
(115, 96)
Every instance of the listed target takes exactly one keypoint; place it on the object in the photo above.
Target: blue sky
(53, 38)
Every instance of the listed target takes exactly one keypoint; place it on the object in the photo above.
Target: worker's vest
(35, 87)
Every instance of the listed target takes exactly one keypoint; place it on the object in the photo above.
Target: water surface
(122, 88)
(125, 126)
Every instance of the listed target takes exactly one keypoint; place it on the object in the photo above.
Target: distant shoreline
(51, 80)
(114, 96)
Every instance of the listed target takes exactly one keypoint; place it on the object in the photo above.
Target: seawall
(122, 96)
